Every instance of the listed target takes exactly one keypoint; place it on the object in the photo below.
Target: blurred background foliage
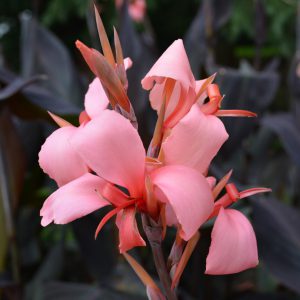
(253, 45)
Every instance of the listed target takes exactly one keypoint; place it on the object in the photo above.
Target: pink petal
(74, 200)
(156, 97)
(95, 99)
(172, 64)
(188, 194)
(58, 159)
(84, 117)
(254, 191)
(203, 96)
(195, 140)
(185, 103)
(128, 231)
(233, 247)
(113, 149)
(211, 181)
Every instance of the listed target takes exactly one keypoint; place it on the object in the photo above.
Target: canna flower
(57, 158)
(233, 243)
(103, 163)
(111, 147)
(171, 80)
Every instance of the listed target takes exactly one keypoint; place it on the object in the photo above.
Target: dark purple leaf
(277, 229)
(286, 127)
(17, 85)
(34, 100)
(43, 53)
(244, 88)
(100, 255)
(210, 14)
(78, 291)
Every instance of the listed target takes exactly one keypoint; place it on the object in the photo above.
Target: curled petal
(59, 159)
(235, 113)
(195, 140)
(233, 247)
(113, 149)
(74, 200)
(172, 64)
(253, 191)
(128, 231)
(95, 99)
(187, 193)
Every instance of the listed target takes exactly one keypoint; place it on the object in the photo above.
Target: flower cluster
(103, 162)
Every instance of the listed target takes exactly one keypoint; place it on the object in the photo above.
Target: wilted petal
(74, 200)
(172, 64)
(195, 140)
(95, 99)
(128, 231)
(187, 192)
(113, 149)
(233, 247)
(59, 159)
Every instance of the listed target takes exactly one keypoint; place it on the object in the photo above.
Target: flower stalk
(154, 233)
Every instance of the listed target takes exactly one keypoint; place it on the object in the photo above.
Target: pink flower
(57, 158)
(111, 147)
(171, 80)
(233, 243)
(137, 9)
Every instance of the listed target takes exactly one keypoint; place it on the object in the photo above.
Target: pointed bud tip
(79, 44)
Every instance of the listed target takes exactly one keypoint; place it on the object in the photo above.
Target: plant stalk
(153, 232)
